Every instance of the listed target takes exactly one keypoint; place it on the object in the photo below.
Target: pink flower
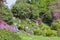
(6, 26)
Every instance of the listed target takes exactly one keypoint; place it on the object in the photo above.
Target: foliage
(45, 12)
(48, 18)
(51, 33)
(38, 32)
(21, 1)
(33, 9)
(24, 10)
(6, 14)
(58, 33)
(44, 26)
(21, 27)
(8, 35)
(24, 23)
(56, 25)
(45, 32)
(42, 5)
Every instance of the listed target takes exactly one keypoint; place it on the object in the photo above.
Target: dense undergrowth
(8, 35)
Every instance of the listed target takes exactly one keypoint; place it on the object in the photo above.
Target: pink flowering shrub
(56, 15)
(6, 26)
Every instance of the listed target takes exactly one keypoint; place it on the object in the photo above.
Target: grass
(34, 37)
(8, 35)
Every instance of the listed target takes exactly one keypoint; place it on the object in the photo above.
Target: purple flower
(56, 15)
(6, 26)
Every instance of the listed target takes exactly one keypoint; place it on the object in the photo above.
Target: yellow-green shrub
(8, 35)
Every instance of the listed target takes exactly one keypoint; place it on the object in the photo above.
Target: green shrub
(48, 18)
(25, 10)
(51, 33)
(21, 1)
(6, 14)
(38, 32)
(8, 35)
(45, 32)
(21, 26)
(58, 33)
(44, 26)
(25, 23)
(56, 25)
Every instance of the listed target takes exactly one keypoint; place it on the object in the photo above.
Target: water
(9, 3)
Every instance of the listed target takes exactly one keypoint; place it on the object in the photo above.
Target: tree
(1, 2)
(25, 10)
(6, 14)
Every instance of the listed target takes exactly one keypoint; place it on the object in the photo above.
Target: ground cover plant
(8, 35)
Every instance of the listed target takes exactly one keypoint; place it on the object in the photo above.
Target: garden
(30, 20)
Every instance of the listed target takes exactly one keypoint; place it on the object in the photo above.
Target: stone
(28, 30)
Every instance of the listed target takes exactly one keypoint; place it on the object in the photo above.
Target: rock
(28, 30)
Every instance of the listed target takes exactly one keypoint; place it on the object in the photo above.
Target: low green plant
(56, 25)
(44, 26)
(8, 35)
(51, 33)
(38, 32)
(21, 27)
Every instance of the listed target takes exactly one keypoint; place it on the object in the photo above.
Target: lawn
(34, 37)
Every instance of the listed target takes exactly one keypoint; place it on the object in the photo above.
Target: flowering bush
(56, 14)
(6, 26)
